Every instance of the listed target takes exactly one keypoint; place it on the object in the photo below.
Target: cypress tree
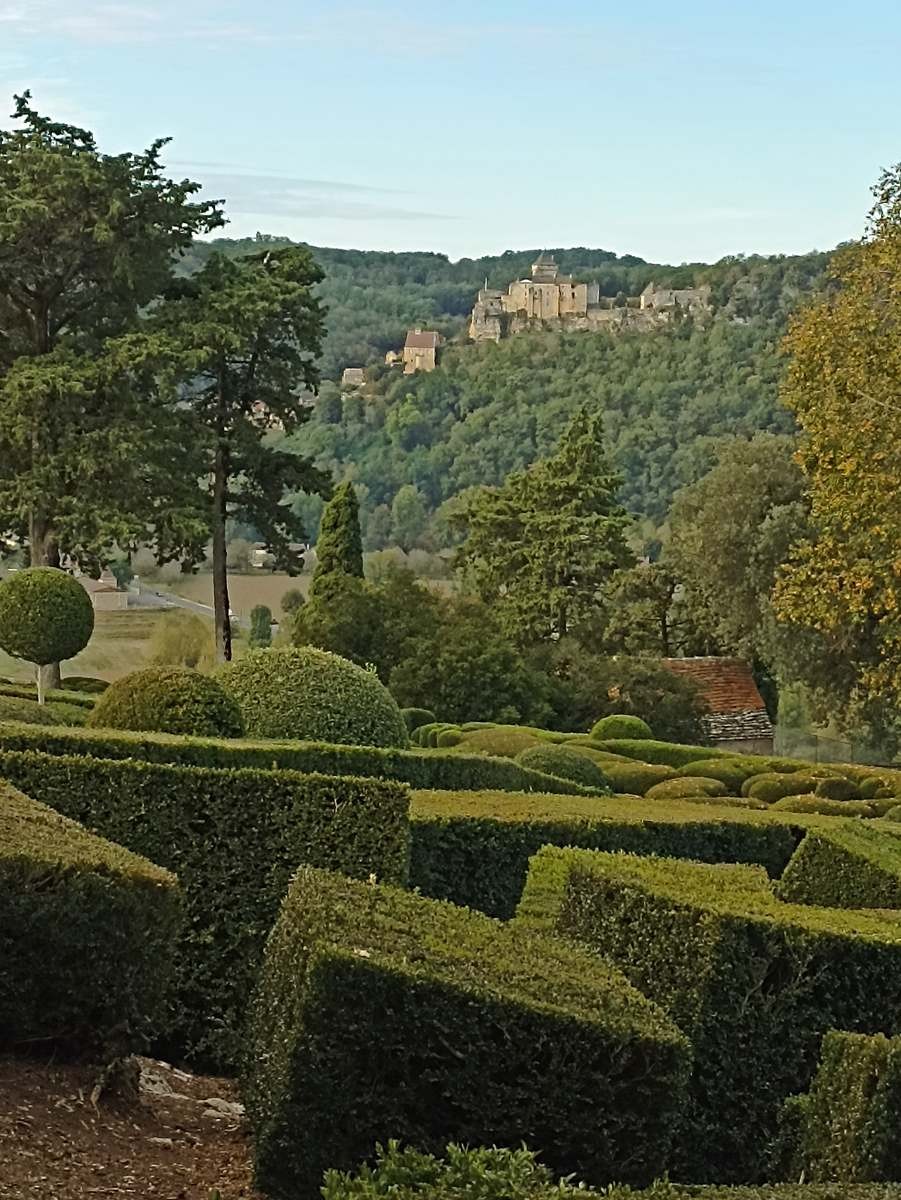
(339, 548)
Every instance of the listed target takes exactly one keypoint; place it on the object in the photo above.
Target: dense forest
(489, 409)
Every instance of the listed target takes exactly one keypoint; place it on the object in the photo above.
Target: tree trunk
(220, 574)
(44, 553)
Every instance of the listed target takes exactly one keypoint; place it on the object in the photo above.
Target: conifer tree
(542, 546)
(339, 548)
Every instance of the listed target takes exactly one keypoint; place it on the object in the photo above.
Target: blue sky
(676, 131)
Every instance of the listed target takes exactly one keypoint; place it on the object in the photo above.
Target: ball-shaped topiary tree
(168, 700)
(620, 725)
(46, 616)
(313, 695)
(564, 763)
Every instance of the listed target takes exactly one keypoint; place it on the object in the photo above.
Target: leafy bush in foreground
(314, 695)
(87, 935)
(168, 700)
(381, 1013)
(565, 764)
(848, 864)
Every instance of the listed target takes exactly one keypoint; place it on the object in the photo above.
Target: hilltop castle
(551, 300)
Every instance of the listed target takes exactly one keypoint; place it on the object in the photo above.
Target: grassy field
(244, 591)
(119, 645)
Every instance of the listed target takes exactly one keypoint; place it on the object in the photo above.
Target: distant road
(148, 598)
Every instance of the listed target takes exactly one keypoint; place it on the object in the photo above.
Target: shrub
(838, 788)
(502, 741)
(86, 937)
(182, 639)
(314, 695)
(826, 808)
(28, 691)
(260, 626)
(12, 709)
(625, 776)
(565, 764)
(168, 700)
(414, 717)
(893, 814)
(621, 726)
(669, 754)
(753, 983)
(46, 616)
(473, 848)
(845, 865)
(772, 787)
(234, 837)
(449, 737)
(848, 1127)
(451, 1026)
(872, 787)
(676, 789)
(84, 684)
(292, 600)
(731, 771)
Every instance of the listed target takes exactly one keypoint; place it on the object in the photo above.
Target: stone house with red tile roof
(737, 718)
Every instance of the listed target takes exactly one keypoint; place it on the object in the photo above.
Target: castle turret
(545, 269)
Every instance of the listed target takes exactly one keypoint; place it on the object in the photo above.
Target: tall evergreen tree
(246, 333)
(542, 546)
(339, 548)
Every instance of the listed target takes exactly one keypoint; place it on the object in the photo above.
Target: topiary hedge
(668, 754)
(450, 770)
(380, 1013)
(234, 838)
(86, 938)
(473, 848)
(686, 785)
(168, 700)
(825, 808)
(414, 717)
(502, 741)
(32, 713)
(312, 694)
(837, 788)
(565, 764)
(845, 865)
(619, 725)
(46, 616)
(771, 786)
(85, 685)
(754, 983)
(28, 691)
(733, 772)
(848, 1126)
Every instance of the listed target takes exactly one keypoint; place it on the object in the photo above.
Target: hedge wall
(234, 838)
(420, 768)
(848, 865)
(850, 1124)
(473, 848)
(754, 983)
(86, 935)
(380, 1013)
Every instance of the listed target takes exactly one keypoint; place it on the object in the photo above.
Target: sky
(679, 132)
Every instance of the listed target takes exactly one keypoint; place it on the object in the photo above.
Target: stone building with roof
(737, 718)
(420, 351)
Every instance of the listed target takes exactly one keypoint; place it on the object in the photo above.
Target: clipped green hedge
(849, 1125)
(620, 725)
(86, 935)
(565, 764)
(380, 1013)
(667, 754)
(838, 788)
(422, 769)
(302, 692)
(754, 983)
(733, 772)
(503, 741)
(414, 717)
(686, 785)
(28, 691)
(847, 865)
(14, 709)
(234, 838)
(825, 808)
(168, 700)
(771, 786)
(473, 848)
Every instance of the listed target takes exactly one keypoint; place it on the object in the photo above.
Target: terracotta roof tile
(421, 340)
(726, 683)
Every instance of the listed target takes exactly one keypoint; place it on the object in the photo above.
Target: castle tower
(545, 269)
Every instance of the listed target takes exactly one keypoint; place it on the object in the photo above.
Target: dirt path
(171, 1144)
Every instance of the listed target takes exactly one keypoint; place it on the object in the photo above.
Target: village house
(737, 718)
(104, 592)
(353, 377)
(421, 350)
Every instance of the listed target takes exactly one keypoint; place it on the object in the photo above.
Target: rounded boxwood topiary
(46, 616)
(825, 807)
(315, 696)
(168, 700)
(686, 786)
(837, 788)
(84, 684)
(620, 726)
(414, 717)
(565, 764)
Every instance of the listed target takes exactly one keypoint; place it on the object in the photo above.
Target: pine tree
(542, 546)
(339, 548)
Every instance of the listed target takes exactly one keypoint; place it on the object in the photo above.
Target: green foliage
(733, 772)
(847, 865)
(168, 700)
(849, 1121)
(454, 771)
(409, 517)
(540, 547)
(234, 837)
(85, 684)
(182, 639)
(46, 616)
(473, 848)
(87, 934)
(339, 547)
(414, 717)
(52, 713)
(635, 778)
(694, 938)
(838, 789)
(669, 754)
(686, 785)
(260, 627)
(313, 695)
(772, 787)
(292, 600)
(565, 764)
(28, 691)
(823, 806)
(453, 1027)
(503, 741)
(619, 725)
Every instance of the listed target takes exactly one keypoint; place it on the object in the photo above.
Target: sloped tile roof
(735, 706)
(421, 340)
